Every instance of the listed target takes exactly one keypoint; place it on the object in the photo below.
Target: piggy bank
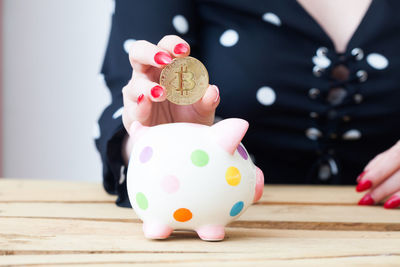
(191, 177)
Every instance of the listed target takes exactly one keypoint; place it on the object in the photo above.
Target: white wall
(52, 90)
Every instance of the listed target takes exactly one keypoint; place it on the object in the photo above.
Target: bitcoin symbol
(185, 80)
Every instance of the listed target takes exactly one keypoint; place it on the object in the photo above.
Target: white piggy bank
(191, 176)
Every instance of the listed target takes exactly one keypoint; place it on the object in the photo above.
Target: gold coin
(185, 79)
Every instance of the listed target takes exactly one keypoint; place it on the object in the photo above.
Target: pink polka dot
(170, 184)
(146, 154)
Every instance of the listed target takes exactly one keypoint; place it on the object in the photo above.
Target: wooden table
(77, 223)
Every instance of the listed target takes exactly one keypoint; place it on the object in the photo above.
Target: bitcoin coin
(185, 79)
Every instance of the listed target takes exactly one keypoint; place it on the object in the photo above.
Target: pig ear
(229, 133)
(137, 130)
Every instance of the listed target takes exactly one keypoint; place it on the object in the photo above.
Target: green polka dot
(199, 158)
(142, 201)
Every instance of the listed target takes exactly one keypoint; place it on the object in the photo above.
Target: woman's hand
(145, 99)
(382, 177)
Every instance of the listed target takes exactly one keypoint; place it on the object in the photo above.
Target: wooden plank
(196, 259)
(255, 213)
(75, 223)
(134, 227)
(45, 236)
(310, 194)
(20, 190)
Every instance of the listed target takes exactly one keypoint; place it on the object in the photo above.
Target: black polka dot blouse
(316, 116)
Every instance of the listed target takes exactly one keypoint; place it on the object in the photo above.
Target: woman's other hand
(382, 177)
(145, 99)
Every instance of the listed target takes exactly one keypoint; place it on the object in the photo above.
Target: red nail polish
(140, 98)
(363, 185)
(366, 200)
(162, 58)
(181, 48)
(361, 176)
(392, 202)
(156, 91)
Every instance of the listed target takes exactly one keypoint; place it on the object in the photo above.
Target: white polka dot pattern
(377, 61)
(324, 172)
(352, 135)
(321, 61)
(229, 38)
(127, 44)
(180, 24)
(266, 95)
(313, 133)
(272, 18)
(122, 175)
(96, 131)
(118, 113)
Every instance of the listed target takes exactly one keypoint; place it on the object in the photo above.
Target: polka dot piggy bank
(191, 176)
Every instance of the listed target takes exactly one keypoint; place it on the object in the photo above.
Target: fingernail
(361, 176)
(162, 58)
(216, 89)
(156, 91)
(363, 185)
(140, 98)
(181, 48)
(392, 202)
(366, 200)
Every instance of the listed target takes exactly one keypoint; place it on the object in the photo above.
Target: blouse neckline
(354, 39)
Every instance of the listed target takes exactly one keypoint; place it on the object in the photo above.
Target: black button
(336, 96)
(362, 75)
(358, 53)
(340, 73)
(332, 114)
(322, 51)
(313, 93)
(313, 115)
(346, 118)
(317, 71)
(358, 98)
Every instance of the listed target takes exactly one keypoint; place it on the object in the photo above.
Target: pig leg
(259, 185)
(211, 232)
(156, 230)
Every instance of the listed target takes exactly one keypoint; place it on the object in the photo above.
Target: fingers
(146, 53)
(136, 111)
(380, 169)
(175, 45)
(139, 95)
(154, 91)
(384, 190)
(393, 201)
(206, 106)
(374, 162)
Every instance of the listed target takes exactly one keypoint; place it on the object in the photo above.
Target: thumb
(206, 106)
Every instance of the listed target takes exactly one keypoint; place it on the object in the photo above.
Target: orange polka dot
(182, 215)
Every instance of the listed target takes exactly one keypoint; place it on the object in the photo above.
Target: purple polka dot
(242, 152)
(146, 154)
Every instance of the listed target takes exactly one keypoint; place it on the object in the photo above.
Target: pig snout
(259, 185)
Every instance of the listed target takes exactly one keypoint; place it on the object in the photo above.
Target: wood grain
(196, 259)
(73, 223)
(20, 190)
